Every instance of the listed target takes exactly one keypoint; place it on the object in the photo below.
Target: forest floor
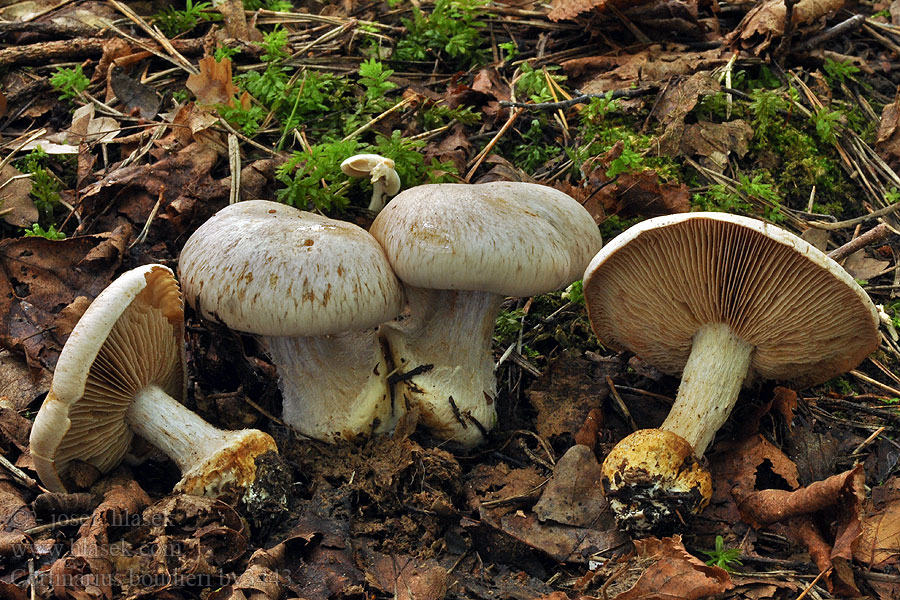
(126, 125)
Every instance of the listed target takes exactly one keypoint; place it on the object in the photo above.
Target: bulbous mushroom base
(232, 467)
(652, 477)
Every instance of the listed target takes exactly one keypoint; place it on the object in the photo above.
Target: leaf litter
(163, 134)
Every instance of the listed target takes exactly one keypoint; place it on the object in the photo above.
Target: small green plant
(45, 187)
(50, 233)
(508, 325)
(173, 22)
(826, 122)
(312, 179)
(532, 83)
(575, 292)
(628, 161)
(839, 71)
(451, 32)
(273, 5)
(223, 52)
(373, 76)
(69, 83)
(722, 557)
(509, 49)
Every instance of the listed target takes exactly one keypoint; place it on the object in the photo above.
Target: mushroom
(313, 289)
(122, 373)
(460, 249)
(721, 300)
(385, 181)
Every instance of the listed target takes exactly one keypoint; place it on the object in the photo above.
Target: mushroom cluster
(122, 374)
(720, 300)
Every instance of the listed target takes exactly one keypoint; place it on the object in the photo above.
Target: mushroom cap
(375, 166)
(131, 335)
(509, 238)
(270, 269)
(649, 476)
(652, 287)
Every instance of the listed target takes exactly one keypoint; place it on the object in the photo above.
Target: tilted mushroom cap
(130, 336)
(651, 288)
(508, 238)
(270, 269)
(374, 166)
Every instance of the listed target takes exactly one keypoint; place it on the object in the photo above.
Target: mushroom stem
(710, 385)
(175, 430)
(334, 386)
(377, 201)
(211, 460)
(448, 335)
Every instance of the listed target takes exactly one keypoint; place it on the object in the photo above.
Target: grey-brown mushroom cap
(270, 269)
(653, 286)
(509, 238)
(131, 335)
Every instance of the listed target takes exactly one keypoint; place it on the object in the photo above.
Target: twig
(785, 45)
(39, 529)
(234, 165)
(621, 404)
(890, 390)
(887, 210)
(582, 99)
(844, 27)
(813, 583)
(490, 145)
(868, 440)
(19, 474)
(367, 126)
(874, 235)
(154, 33)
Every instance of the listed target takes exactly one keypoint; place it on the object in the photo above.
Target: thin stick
(890, 390)
(868, 440)
(490, 146)
(813, 583)
(20, 475)
(620, 403)
(854, 22)
(582, 99)
(234, 165)
(380, 117)
(39, 529)
(876, 234)
(892, 208)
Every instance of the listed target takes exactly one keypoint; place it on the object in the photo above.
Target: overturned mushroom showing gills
(313, 289)
(385, 181)
(720, 300)
(121, 374)
(459, 250)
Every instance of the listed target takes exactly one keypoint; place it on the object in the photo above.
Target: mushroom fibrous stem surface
(447, 336)
(711, 381)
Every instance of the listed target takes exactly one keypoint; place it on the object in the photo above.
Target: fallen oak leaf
(764, 507)
(213, 84)
(766, 21)
(674, 573)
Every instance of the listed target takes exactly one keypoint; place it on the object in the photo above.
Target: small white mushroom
(720, 300)
(384, 178)
(460, 249)
(121, 374)
(313, 289)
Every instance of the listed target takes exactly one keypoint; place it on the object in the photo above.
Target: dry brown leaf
(213, 85)
(562, 543)
(453, 148)
(89, 129)
(566, 9)
(764, 507)
(589, 434)
(19, 384)
(564, 396)
(861, 266)
(16, 205)
(636, 194)
(764, 23)
(784, 401)
(654, 65)
(674, 574)
(573, 495)
(406, 577)
(711, 142)
(879, 542)
(41, 276)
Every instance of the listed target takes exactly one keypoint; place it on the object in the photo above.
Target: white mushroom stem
(451, 331)
(710, 384)
(334, 386)
(175, 430)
